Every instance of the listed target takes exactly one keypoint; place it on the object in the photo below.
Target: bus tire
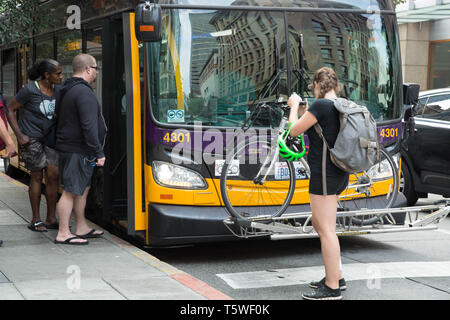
(408, 185)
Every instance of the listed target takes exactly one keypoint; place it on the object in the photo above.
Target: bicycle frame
(274, 150)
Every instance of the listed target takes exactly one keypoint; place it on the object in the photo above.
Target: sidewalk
(33, 267)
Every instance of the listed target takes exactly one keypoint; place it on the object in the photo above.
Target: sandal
(75, 243)
(36, 225)
(91, 234)
(53, 226)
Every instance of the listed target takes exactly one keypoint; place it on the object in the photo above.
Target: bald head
(81, 62)
(85, 66)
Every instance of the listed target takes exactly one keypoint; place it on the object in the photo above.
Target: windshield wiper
(275, 79)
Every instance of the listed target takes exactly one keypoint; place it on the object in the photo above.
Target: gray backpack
(357, 147)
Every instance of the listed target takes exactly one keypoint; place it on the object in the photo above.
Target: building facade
(424, 27)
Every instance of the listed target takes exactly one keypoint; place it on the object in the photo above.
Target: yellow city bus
(173, 104)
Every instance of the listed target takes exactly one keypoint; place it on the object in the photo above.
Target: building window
(261, 23)
(94, 48)
(439, 68)
(323, 40)
(318, 26)
(269, 18)
(44, 49)
(8, 70)
(344, 71)
(326, 53)
(69, 45)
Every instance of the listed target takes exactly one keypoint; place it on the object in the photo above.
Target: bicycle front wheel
(256, 182)
(376, 188)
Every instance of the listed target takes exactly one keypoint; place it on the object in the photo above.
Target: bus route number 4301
(389, 132)
(177, 137)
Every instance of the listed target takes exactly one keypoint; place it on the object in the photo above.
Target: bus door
(137, 220)
(108, 199)
(114, 109)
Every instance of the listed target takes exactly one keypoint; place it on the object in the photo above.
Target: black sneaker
(1, 242)
(323, 293)
(316, 284)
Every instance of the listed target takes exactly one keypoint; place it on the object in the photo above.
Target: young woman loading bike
(323, 204)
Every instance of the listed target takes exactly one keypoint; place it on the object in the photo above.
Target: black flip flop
(68, 241)
(91, 235)
(34, 226)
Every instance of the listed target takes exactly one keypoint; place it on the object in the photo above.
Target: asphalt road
(394, 266)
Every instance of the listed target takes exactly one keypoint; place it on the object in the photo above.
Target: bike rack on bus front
(288, 226)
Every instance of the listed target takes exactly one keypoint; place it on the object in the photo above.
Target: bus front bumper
(171, 225)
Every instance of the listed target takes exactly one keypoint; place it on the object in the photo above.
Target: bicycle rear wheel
(376, 188)
(253, 188)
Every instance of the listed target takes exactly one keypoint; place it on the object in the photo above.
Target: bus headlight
(383, 170)
(173, 176)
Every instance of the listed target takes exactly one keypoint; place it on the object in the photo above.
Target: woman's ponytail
(33, 72)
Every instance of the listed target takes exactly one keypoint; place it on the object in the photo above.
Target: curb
(182, 277)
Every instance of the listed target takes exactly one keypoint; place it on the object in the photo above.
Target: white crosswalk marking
(443, 231)
(352, 271)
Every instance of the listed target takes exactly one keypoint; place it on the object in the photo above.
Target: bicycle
(264, 185)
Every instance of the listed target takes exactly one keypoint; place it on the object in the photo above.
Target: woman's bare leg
(324, 210)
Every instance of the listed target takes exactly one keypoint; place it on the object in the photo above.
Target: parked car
(426, 151)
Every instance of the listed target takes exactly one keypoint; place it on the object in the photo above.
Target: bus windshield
(215, 65)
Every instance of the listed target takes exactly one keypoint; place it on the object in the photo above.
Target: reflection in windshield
(215, 65)
(358, 47)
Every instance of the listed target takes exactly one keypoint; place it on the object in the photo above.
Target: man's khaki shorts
(38, 156)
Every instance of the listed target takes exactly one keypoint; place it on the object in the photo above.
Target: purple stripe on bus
(198, 140)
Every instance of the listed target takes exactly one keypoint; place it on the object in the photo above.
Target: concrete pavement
(33, 267)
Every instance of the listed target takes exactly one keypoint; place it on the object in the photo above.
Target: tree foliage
(19, 19)
(397, 2)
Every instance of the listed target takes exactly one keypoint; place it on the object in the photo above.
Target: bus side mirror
(148, 22)
(410, 93)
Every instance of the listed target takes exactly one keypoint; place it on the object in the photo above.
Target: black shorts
(336, 183)
(76, 172)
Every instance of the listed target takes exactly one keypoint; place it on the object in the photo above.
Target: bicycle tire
(376, 191)
(249, 199)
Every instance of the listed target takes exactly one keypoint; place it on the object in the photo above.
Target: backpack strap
(325, 146)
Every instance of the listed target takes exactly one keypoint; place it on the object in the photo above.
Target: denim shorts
(76, 172)
(38, 156)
